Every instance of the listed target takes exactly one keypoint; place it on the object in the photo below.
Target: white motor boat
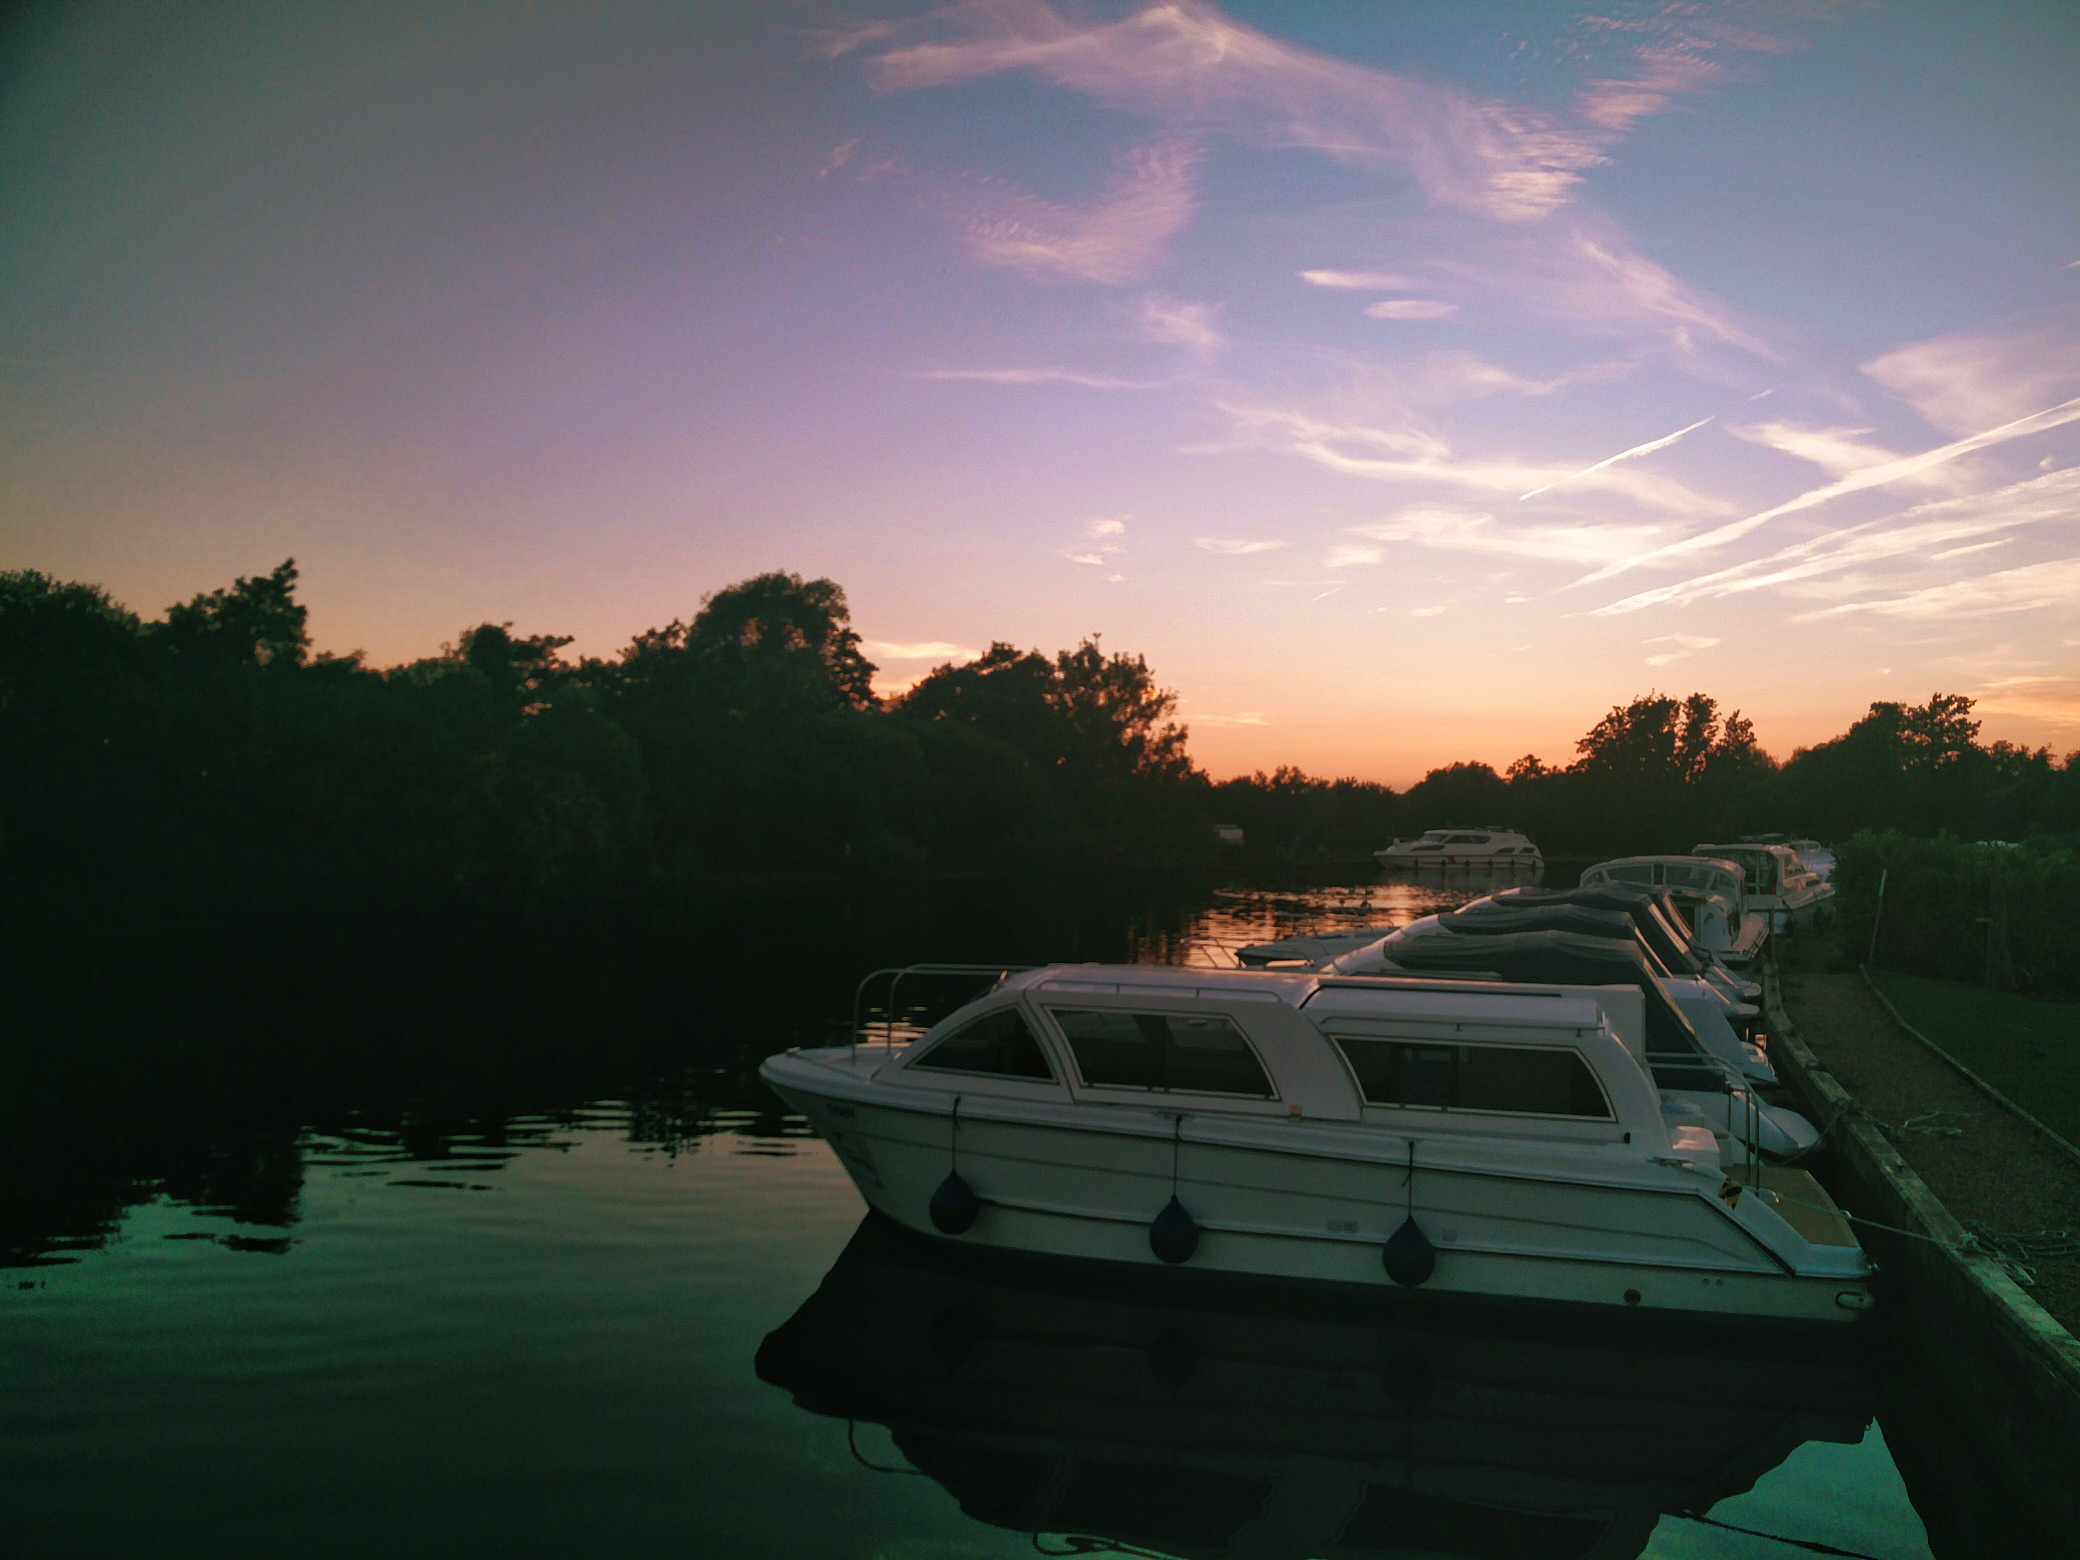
(1711, 894)
(1460, 1137)
(1812, 855)
(1778, 884)
(1695, 1082)
(1658, 926)
(1490, 847)
(1706, 1006)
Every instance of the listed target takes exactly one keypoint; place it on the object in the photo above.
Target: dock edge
(2010, 1366)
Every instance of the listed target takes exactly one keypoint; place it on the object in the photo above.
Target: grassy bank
(2027, 1047)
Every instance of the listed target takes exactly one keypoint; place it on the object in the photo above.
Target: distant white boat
(1460, 1136)
(1815, 857)
(1491, 847)
(1712, 894)
(1776, 882)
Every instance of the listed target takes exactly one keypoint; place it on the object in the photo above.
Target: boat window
(999, 1045)
(1633, 874)
(1466, 839)
(1202, 1054)
(1516, 1080)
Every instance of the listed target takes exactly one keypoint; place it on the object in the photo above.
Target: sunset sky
(1409, 382)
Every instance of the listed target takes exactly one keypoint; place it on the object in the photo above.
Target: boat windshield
(997, 1045)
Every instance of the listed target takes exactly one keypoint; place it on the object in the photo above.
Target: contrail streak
(1636, 451)
(1855, 482)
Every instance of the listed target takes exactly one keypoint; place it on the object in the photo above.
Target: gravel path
(1996, 1172)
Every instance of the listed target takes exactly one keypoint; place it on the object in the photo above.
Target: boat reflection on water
(1246, 1419)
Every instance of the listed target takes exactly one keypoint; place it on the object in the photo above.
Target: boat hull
(1409, 861)
(1323, 1212)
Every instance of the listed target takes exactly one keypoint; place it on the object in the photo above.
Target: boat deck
(1806, 1207)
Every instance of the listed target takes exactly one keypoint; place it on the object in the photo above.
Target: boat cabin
(1445, 1056)
(1772, 870)
(1680, 874)
(1463, 841)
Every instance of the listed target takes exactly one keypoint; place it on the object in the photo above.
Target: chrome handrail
(895, 974)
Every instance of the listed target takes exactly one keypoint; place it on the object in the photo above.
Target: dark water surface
(417, 1243)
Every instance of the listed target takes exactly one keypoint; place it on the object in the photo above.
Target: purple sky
(1408, 382)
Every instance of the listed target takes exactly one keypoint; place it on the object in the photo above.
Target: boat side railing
(896, 974)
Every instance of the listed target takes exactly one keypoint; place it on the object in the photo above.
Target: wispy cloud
(1234, 546)
(1453, 530)
(1241, 718)
(1965, 552)
(1971, 379)
(920, 650)
(1174, 322)
(1682, 646)
(1105, 538)
(2052, 699)
(1835, 450)
(1346, 555)
(1458, 375)
(1410, 309)
(1665, 51)
(1038, 376)
(1581, 272)
(1408, 453)
(1634, 453)
(1854, 482)
(1119, 237)
(1362, 281)
(1200, 70)
(1500, 178)
(2034, 585)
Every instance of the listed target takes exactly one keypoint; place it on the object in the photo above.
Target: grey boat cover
(1675, 1055)
(1665, 933)
(1503, 920)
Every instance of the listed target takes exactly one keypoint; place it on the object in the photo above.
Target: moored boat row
(1555, 1095)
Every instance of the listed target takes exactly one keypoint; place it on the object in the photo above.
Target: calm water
(509, 1253)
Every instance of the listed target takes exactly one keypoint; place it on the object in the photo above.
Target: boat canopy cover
(1568, 959)
(1500, 920)
(1657, 929)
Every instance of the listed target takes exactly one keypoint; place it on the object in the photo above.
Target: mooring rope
(1810, 1545)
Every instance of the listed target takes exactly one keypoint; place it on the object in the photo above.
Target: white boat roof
(1688, 859)
(1727, 851)
(1414, 998)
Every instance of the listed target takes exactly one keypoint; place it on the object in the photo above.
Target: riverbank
(2028, 1048)
(2001, 1177)
(1965, 1205)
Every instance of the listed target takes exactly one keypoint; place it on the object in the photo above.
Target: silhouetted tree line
(1664, 774)
(210, 757)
